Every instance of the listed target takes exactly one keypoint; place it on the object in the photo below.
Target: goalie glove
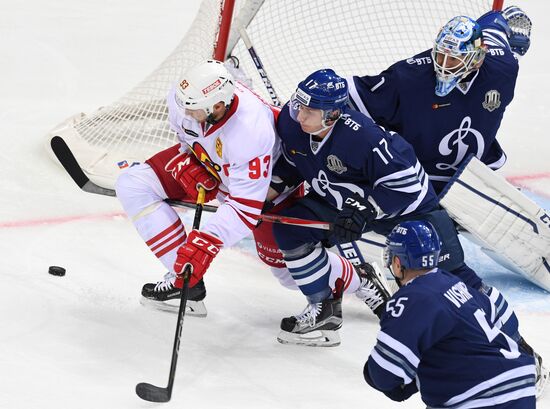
(198, 252)
(520, 26)
(350, 223)
(191, 175)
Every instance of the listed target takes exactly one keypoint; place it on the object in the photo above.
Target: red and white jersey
(240, 151)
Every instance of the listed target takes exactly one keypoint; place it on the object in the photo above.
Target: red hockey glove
(191, 174)
(198, 251)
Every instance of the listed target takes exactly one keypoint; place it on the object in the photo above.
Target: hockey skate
(374, 289)
(542, 375)
(165, 297)
(316, 326)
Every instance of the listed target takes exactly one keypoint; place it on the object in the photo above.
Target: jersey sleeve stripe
(390, 367)
(396, 176)
(254, 205)
(399, 347)
(497, 36)
(396, 359)
(423, 192)
(493, 41)
(248, 221)
(404, 181)
(355, 98)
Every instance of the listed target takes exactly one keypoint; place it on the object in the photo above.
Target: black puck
(56, 271)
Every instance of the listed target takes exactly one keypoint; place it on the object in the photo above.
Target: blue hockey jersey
(437, 332)
(443, 130)
(356, 157)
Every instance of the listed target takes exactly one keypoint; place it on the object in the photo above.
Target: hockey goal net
(292, 38)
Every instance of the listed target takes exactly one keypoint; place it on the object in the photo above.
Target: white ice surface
(83, 340)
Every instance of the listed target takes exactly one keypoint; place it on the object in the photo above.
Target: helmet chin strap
(323, 129)
(324, 125)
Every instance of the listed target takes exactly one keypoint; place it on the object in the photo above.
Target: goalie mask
(203, 86)
(324, 90)
(417, 245)
(458, 50)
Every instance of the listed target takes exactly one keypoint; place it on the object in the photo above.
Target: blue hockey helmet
(324, 90)
(458, 50)
(416, 243)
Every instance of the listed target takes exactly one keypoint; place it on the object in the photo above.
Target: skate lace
(167, 282)
(309, 315)
(370, 294)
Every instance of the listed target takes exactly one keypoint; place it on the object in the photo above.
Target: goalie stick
(71, 165)
(147, 391)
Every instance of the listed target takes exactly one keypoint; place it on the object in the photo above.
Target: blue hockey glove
(520, 25)
(352, 220)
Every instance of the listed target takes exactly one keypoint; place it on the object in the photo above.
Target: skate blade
(319, 338)
(542, 381)
(192, 309)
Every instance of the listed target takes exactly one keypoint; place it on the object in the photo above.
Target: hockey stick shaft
(154, 393)
(273, 218)
(71, 165)
(260, 67)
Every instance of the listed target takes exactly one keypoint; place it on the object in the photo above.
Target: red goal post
(292, 38)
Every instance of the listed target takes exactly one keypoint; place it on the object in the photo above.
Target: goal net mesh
(292, 38)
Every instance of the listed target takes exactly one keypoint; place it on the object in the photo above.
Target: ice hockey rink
(83, 340)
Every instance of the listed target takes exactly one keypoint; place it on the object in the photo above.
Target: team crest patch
(335, 164)
(219, 147)
(314, 146)
(492, 100)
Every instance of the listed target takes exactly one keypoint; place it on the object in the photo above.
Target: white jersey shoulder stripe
(356, 99)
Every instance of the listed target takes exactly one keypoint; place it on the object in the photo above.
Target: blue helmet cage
(462, 39)
(416, 243)
(324, 90)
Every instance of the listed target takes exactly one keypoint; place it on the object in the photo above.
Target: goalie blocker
(510, 228)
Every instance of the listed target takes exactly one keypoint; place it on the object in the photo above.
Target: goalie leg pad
(502, 218)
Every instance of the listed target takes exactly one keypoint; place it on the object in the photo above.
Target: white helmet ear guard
(204, 85)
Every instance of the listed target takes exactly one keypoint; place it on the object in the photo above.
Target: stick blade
(71, 165)
(152, 393)
(67, 159)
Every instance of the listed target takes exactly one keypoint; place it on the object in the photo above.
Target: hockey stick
(260, 67)
(71, 165)
(153, 393)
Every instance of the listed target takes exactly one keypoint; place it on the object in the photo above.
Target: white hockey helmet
(204, 85)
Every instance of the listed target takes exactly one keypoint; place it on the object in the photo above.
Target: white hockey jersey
(240, 151)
